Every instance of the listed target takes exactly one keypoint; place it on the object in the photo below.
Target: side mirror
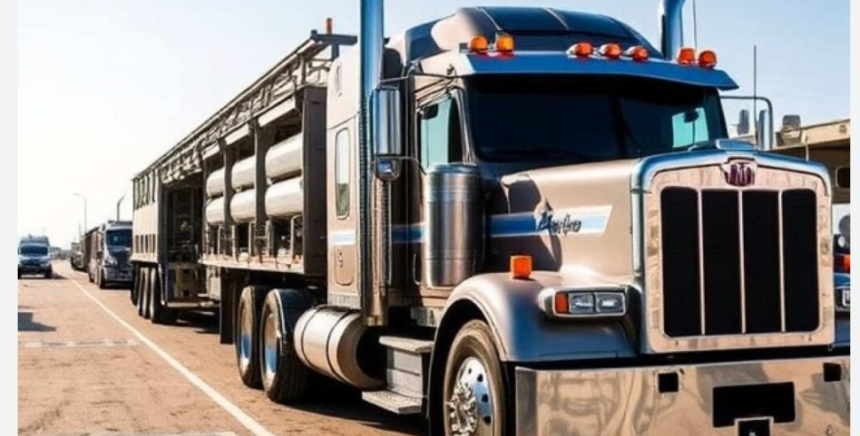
(387, 139)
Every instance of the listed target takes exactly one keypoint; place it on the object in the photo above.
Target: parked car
(34, 257)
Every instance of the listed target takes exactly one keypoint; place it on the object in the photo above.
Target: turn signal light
(521, 267)
(504, 43)
(479, 44)
(637, 53)
(708, 59)
(687, 56)
(610, 51)
(582, 50)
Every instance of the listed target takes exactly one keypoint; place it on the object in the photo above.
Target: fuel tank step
(393, 402)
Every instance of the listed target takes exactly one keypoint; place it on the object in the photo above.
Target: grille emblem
(740, 174)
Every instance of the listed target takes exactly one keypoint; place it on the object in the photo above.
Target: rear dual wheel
(158, 312)
(247, 335)
(285, 377)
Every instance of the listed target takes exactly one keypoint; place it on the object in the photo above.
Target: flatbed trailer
(512, 221)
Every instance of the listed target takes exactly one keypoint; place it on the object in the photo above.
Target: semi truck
(107, 254)
(510, 220)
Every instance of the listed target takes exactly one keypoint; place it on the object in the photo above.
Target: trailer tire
(473, 372)
(101, 279)
(159, 314)
(247, 334)
(135, 287)
(141, 292)
(286, 379)
(147, 296)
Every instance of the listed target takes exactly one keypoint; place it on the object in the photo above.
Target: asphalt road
(88, 365)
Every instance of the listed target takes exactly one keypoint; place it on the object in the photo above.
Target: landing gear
(474, 388)
(285, 378)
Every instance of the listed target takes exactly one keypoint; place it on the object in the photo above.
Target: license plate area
(746, 403)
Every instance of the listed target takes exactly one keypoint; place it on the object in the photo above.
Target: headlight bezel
(577, 300)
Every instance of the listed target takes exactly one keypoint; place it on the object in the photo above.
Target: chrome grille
(738, 262)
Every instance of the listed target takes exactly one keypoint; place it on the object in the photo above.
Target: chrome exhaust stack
(671, 27)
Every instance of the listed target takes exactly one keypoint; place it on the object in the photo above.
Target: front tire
(49, 274)
(247, 335)
(474, 391)
(100, 279)
(285, 377)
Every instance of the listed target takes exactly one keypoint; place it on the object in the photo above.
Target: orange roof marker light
(687, 56)
(521, 267)
(479, 44)
(638, 53)
(708, 59)
(610, 51)
(581, 50)
(504, 43)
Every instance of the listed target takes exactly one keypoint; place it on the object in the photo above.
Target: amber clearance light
(581, 50)
(638, 53)
(479, 44)
(610, 51)
(521, 267)
(504, 43)
(708, 59)
(687, 56)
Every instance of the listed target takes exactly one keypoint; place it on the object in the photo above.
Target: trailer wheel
(285, 378)
(135, 287)
(474, 389)
(248, 334)
(100, 279)
(159, 314)
(141, 291)
(147, 296)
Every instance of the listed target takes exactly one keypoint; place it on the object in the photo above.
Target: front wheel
(474, 388)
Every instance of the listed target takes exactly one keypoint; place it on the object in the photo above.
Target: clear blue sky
(105, 86)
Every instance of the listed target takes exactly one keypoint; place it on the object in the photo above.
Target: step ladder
(406, 372)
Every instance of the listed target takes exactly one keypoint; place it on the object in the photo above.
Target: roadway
(88, 365)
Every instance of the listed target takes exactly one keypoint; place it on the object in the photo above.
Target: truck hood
(572, 219)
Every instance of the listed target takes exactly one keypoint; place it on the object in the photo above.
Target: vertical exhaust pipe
(671, 27)
(371, 45)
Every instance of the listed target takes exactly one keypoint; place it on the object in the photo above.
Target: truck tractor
(109, 254)
(512, 221)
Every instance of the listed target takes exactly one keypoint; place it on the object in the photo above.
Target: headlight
(593, 302)
(110, 261)
(843, 299)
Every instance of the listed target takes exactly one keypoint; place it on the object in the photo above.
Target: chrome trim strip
(781, 264)
(703, 324)
(742, 261)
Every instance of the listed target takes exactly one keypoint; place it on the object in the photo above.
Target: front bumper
(781, 397)
(115, 274)
(34, 269)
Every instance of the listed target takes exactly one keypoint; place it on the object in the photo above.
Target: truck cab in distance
(109, 248)
(34, 257)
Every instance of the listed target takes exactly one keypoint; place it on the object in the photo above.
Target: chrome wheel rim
(245, 332)
(270, 349)
(470, 406)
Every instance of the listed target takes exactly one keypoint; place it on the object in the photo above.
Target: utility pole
(755, 89)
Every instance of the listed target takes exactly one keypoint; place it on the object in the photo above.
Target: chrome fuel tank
(453, 224)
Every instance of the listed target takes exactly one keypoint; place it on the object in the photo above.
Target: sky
(105, 86)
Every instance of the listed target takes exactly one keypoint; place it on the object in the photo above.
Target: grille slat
(799, 252)
(761, 261)
(680, 229)
(738, 294)
(722, 262)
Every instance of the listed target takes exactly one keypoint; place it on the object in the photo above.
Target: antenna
(695, 27)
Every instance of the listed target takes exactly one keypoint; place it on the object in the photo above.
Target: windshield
(587, 119)
(33, 250)
(118, 238)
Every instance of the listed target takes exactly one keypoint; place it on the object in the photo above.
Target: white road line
(253, 426)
